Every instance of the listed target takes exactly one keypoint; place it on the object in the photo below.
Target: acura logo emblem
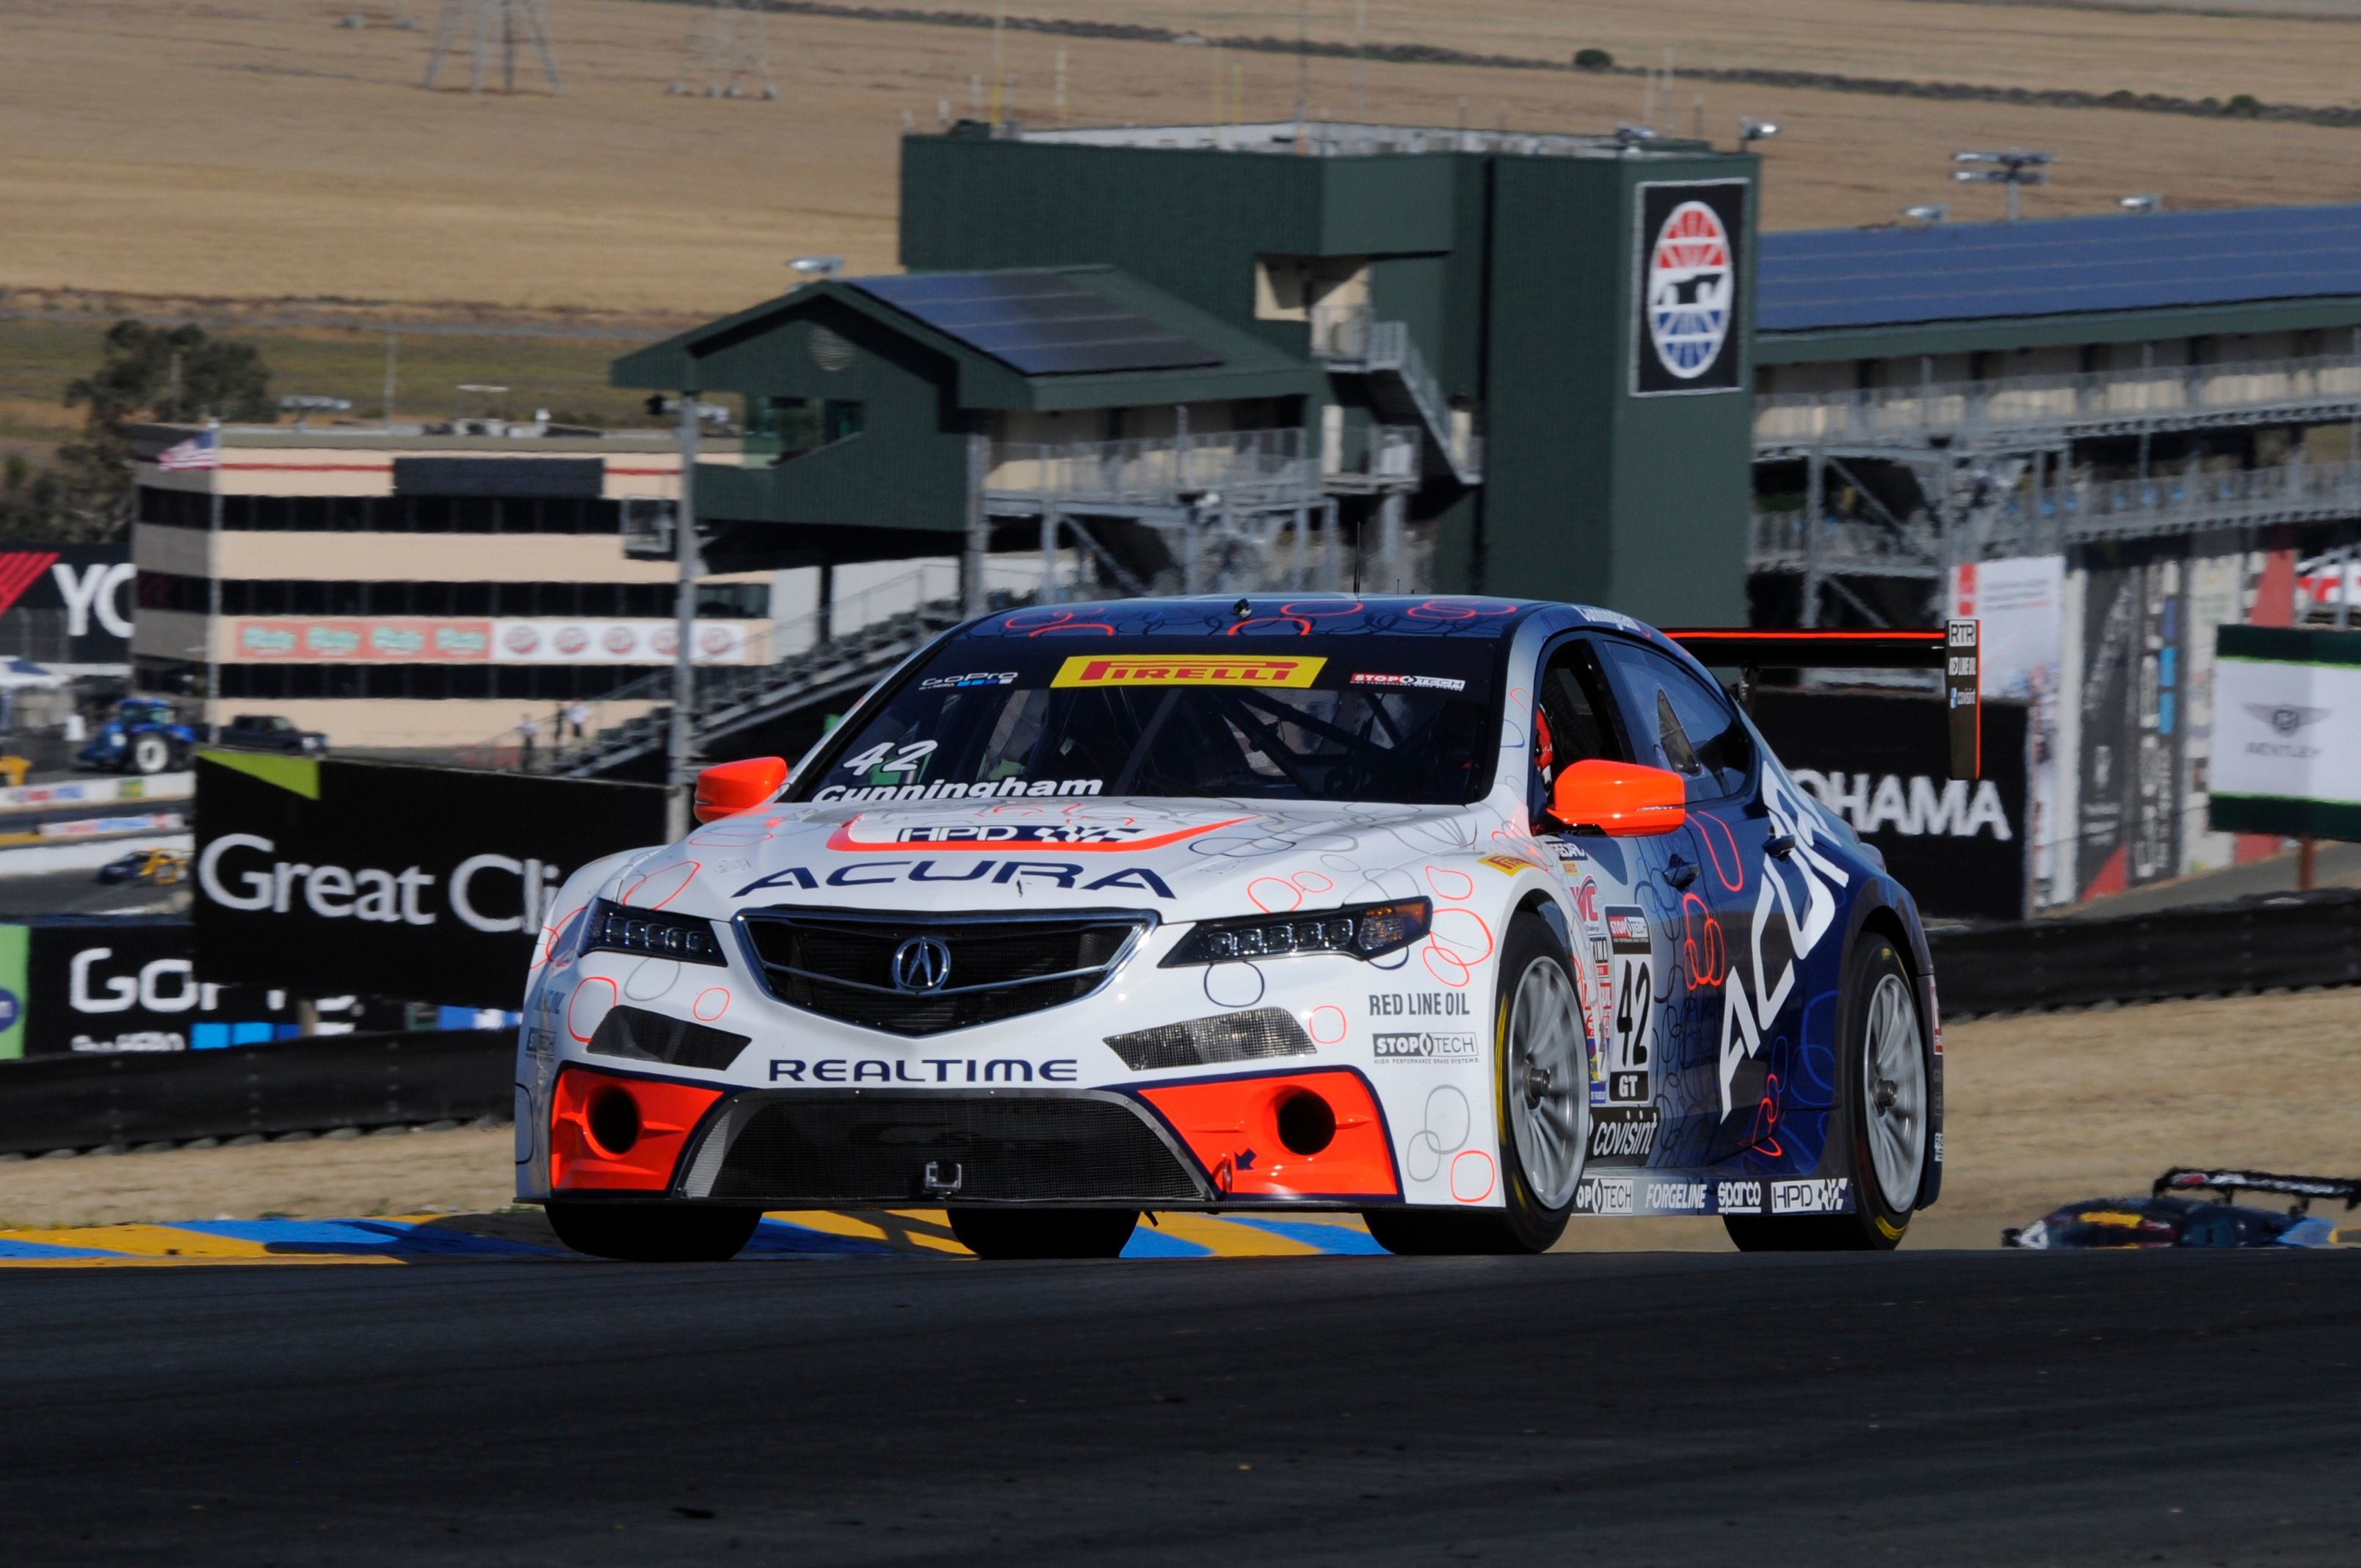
(922, 963)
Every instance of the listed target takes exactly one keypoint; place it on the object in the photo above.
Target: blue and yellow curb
(463, 1238)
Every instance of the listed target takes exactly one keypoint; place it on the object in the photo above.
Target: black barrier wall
(312, 1085)
(1878, 761)
(332, 876)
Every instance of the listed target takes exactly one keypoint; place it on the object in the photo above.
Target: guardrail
(2290, 939)
(317, 1084)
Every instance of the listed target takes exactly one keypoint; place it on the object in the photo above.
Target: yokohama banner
(1958, 845)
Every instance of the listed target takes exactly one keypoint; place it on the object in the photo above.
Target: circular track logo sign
(1691, 283)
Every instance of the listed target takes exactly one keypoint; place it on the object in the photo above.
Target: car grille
(876, 1148)
(843, 965)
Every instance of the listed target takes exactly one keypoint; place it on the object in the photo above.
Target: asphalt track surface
(1632, 1409)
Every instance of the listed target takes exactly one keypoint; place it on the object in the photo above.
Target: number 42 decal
(906, 759)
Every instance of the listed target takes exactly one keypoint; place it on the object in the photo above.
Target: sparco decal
(1746, 1018)
(925, 1069)
(1062, 874)
(1738, 1197)
(1822, 1196)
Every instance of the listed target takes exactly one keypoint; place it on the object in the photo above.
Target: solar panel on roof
(1040, 323)
(1880, 277)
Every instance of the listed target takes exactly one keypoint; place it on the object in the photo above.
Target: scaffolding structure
(492, 30)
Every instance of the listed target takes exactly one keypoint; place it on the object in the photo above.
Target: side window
(1682, 723)
(1574, 717)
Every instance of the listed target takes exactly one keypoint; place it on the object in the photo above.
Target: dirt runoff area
(2042, 1110)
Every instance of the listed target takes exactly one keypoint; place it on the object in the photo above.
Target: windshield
(1405, 720)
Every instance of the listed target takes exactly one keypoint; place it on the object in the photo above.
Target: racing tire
(148, 754)
(1883, 1134)
(1001, 1233)
(1540, 1096)
(654, 1232)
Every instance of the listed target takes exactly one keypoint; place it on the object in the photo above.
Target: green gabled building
(1267, 357)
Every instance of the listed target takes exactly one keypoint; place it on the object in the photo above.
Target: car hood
(1185, 860)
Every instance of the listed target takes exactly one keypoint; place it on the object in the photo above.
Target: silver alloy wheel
(1894, 1079)
(1549, 1082)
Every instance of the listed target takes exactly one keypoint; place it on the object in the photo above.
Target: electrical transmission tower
(723, 55)
(397, 16)
(492, 28)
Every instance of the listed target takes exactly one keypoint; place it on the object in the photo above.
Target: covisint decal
(1099, 670)
(1623, 1136)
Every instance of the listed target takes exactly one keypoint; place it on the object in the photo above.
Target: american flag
(197, 451)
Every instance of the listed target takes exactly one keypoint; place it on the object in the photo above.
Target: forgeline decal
(1101, 669)
(1677, 1197)
(1412, 683)
(1623, 1136)
(1062, 874)
(981, 678)
(1094, 838)
(1417, 1003)
(990, 789)
(1746, 1019)
(939, 1069)
(1423, 1047)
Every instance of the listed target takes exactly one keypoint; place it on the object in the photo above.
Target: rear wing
(2230, 1183)
(1955, 648)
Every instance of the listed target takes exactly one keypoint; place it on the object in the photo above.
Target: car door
(1708, 888)
(1624, 936)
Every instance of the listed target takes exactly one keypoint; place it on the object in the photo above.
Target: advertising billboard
(1877, 760)
(67, 604)
(296, 639)
(2287, 733)
(323, 876)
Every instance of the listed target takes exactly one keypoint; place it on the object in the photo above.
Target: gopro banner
(1688, 336)
(1958, 845)
(325, 877)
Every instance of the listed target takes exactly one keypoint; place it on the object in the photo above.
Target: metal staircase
(1403, 390)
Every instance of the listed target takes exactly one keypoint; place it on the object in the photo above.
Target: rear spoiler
(1955, 648)
(2230, 1183)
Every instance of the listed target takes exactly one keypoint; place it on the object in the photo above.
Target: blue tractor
(142, 738)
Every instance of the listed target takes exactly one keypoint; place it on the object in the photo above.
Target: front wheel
(1541, 1083)
(1882, 1123)
(151, 754)
(654, 1232)
(1043, 1232)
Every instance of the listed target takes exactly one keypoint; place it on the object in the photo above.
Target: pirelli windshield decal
(1102, 670)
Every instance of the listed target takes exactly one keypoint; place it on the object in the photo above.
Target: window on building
(1291, 288)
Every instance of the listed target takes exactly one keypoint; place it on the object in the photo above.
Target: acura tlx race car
(1465, 914)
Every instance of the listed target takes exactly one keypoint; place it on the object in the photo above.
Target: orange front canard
(668, 1113)
(1233, 1126)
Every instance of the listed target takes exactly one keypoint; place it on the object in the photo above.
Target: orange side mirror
(727, 788)
(1622, 800)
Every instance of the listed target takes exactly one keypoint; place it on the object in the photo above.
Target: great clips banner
(325, 877)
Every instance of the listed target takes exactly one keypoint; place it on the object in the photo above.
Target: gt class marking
(1059, 874)
(1098, 670)
(877, 1069)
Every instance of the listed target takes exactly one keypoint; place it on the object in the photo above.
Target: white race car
(1465, 914)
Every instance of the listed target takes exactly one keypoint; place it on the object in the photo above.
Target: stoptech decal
(1094, 837)
(1423, 1047)
(1411, 683)
(1088, 669)
(1623, 1136)
(1819, 1196)
(1600, 1195)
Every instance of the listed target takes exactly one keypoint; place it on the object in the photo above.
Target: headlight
(651, 933)
(1367, 931)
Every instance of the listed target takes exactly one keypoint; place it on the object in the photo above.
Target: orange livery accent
(609, 1133)
(1296, 1134)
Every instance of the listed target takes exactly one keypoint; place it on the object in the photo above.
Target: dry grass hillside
(253, 150)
